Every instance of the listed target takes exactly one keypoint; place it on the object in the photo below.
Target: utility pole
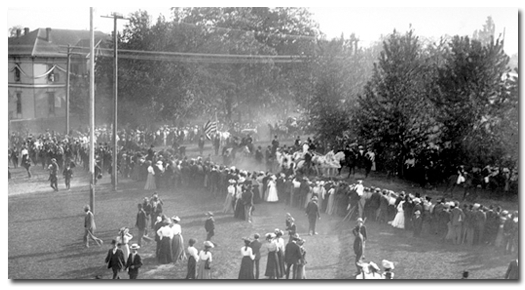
(68, 68)
(114, 176)
(92, 111)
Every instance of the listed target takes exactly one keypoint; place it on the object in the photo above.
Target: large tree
(471, 97)
(394, 110)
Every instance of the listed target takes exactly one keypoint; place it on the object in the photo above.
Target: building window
(52, 76)
(51, 103)
(19, 103)
(17, 74)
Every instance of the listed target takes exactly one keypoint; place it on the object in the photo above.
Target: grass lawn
(46, 229)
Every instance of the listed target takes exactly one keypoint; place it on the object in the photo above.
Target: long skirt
(450, 232)
(239, 210)
(498, 243)
(203, 273)
(280, 261)
(150, 182)
(301, 271)
(192, 268)
(330, 206)
(125, 251)
(227, 208)
(177, 248)
(308, 197)
(165, 256)
(246, 271)
(272, 266)
(399, 220)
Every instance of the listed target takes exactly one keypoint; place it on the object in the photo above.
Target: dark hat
(113, 242)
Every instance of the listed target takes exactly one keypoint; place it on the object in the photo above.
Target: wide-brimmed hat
(134, 247)
(270, 235)
(374, 266)
(208, 244)
(175, 218)
(209, 213)
(387, 264)
(476, 206)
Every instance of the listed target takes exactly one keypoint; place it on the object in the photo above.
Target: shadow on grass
(91, 273)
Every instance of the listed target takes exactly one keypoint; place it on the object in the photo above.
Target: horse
(472, 180)
(252, 132)
(354, 160)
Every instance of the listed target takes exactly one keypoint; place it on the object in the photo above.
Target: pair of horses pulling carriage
(330, 164)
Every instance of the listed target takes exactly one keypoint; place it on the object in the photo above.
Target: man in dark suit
(457, 217)
(312, 211)
(292, 256)
(134, 262)
(115, 259)
(141, 224)
(256, 247)
(247, 199)
(209, 226)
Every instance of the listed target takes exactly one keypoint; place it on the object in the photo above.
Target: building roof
(37, 44)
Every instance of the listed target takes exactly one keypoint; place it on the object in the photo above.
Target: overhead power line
(199, 57)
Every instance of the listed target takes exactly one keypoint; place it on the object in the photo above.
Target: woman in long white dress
(123, 239)
(399, 219)
(227, 207)
(272, 190)
(331, 196)
(308, 196)
(150, 181)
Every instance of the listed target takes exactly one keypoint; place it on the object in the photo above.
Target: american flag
(209, 128)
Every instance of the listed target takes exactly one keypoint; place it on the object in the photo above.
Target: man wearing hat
(89, 227)
(256, 250)
(360, 190)
(53, 170)
(141, 223)
(359, 242)
(457, 217)
(134, 262)
(115, 259)
(418, 223)
(209, 226)
(312, 211)
(388, 267)
(247, 200)
(292, 256)
(479, 223)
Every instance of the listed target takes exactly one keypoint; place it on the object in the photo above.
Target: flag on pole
(209, 128)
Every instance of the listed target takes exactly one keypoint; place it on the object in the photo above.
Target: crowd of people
(447, 220)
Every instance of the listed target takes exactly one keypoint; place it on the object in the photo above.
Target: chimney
(18, 32)
(48, 34)
(26, 30)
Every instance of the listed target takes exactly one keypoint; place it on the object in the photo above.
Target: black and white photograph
(269, 143)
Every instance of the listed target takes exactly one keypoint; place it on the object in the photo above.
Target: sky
(368, 23)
